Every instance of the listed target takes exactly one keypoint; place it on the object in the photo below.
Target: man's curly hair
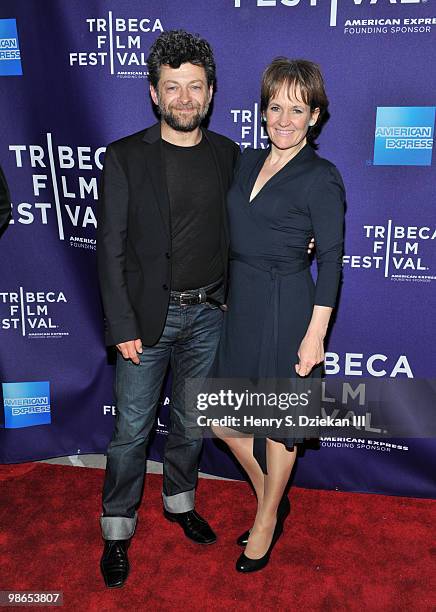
(177, 47)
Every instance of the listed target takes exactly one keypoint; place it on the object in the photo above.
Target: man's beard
(184, 124)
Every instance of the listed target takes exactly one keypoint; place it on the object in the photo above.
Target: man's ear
(154, 96)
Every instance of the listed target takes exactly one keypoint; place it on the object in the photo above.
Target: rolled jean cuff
(181, 502)
(118, 527)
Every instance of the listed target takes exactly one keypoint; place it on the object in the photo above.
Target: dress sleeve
(327, 208)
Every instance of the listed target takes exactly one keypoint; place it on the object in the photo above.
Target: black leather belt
(192, 297)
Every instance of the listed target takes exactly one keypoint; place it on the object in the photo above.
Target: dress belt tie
(277, 270)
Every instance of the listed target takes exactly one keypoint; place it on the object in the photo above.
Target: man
(162, 260)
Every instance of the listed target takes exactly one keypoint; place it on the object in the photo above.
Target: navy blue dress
(271, 289)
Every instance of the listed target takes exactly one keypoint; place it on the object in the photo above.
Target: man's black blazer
(134, 233)
(5, 202)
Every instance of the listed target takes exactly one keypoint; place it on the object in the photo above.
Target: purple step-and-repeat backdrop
(73, 78)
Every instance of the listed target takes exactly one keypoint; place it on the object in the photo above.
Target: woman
(278, 317)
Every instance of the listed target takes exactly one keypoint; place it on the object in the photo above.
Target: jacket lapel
(219, 167)
(156, 169)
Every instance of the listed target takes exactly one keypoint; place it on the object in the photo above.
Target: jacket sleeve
(327, 209)
(120, 320)
(236, 154)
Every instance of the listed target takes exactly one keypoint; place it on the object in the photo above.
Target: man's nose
(185, 95)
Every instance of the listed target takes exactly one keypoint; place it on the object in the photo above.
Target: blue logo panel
(26, 404)
(404, 135)
(10, 57)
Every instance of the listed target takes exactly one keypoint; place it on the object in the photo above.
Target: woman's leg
(280, 462)
(241, 446)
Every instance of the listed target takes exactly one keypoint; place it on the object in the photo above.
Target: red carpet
(339, 551)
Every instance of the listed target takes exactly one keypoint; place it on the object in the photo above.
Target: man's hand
(311, 245)
(130, 349)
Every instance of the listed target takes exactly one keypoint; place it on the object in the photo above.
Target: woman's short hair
(177, 47)
(296, 73)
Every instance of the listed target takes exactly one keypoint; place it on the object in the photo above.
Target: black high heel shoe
(282, 512)
(245, 565)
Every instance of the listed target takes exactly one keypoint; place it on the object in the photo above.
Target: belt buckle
(187, 296)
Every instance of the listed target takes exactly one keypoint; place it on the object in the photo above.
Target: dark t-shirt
(195, 203)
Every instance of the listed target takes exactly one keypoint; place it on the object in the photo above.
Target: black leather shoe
(245, 565)
(282, 512)
(114, 563)
(194, 526)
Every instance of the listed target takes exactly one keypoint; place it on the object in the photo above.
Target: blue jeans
(188, 343)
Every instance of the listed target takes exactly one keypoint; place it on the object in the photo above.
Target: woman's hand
(310, 353)
(311, 245)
